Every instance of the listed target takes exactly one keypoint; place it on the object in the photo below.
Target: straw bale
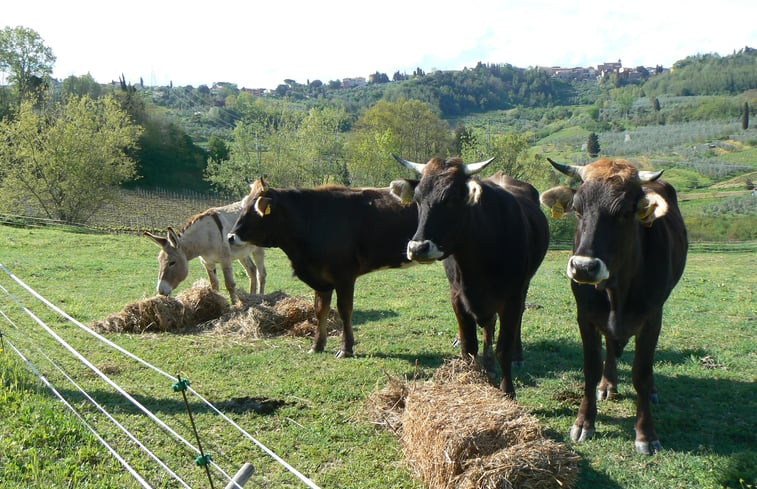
(160, 313)
(458, 431)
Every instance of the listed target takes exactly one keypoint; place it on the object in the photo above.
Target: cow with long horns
(629, 252)
(492, 237)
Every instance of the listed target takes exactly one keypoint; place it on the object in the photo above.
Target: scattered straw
(458, 431)
(200, 307)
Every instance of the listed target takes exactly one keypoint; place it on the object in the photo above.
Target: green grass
(706, 371)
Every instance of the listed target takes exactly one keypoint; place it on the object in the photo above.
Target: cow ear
(158, 240)
(403, 190)
(651, 206)
(559, 200)
(263, 206)
(474, 191)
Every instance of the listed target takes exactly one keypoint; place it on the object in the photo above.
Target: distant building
(353, 82)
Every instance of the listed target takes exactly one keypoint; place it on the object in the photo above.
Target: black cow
(628, 253)
(331, 235)
(492, 236)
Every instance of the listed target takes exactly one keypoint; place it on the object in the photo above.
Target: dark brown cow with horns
(492, 236)
(629, 252)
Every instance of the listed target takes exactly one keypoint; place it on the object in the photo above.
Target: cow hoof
(315, 350)
(456, 343)
(579, 434)
(344, 354)
(648, 447)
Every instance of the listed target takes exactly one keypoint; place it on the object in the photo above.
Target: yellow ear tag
(267, 210)
(558, 210)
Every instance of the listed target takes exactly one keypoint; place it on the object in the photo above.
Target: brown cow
(629, 252)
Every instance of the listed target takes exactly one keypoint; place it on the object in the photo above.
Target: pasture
(706, 368)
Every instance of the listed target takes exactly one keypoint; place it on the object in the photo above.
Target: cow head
(610, 204)
(174, 266)
(443, 194)
(251, 225)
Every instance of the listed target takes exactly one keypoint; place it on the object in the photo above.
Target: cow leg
(344, 302)
(466, 329)
(509, 328)
(322, 306)
(488, 357)
(252, 272)
(228, 279)
(647, 441)
(258, 256)
(608, 386)
(583, 428)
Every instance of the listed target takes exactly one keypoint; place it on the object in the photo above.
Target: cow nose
(587, 270)
(424, 251)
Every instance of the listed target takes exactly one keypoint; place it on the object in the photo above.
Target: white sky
(259, 43)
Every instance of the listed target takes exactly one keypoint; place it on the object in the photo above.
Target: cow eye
(171, 263)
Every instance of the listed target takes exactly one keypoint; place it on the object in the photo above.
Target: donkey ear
(158, 240)
(173, 237)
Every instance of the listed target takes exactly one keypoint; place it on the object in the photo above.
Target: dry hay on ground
(191, 307)
(200, 306)
(458, 431)
(275, 314)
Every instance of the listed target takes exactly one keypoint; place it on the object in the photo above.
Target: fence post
(244, 473)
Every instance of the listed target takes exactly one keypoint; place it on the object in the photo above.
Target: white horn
(472, 168)
(416, 167)
(570, 170)
(649, 176)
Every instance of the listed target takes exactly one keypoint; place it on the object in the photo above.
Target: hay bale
(194, 306)
(457, 430)
(274, 314)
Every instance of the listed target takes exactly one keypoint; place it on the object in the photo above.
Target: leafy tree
(67, 158)
(217, 149)
(25, 57)
(509, 149)
(592, 145)
(79, 86)
(463, 137)
(745, 117)
(407, 127)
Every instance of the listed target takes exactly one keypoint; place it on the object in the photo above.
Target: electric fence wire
(134, 357)
(109, 381)
(102, 409)
(97, 435)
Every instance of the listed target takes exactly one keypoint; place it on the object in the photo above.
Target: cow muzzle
(587, 270)
(164, 288)
(423, 251)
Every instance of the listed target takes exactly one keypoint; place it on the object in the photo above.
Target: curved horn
(416, 167)
(472, 168)
(649, 176)
(570, 170)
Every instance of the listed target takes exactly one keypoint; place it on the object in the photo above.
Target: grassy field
(706, 370)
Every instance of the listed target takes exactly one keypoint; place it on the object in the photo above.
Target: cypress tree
(592, 145)
(745, 117)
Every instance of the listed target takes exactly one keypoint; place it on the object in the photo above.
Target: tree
(218, 151)
(407, 127)
(79, 86)
(68, 158)
(25, 57)
(509, 149)
(592, 145)
(745, 117)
